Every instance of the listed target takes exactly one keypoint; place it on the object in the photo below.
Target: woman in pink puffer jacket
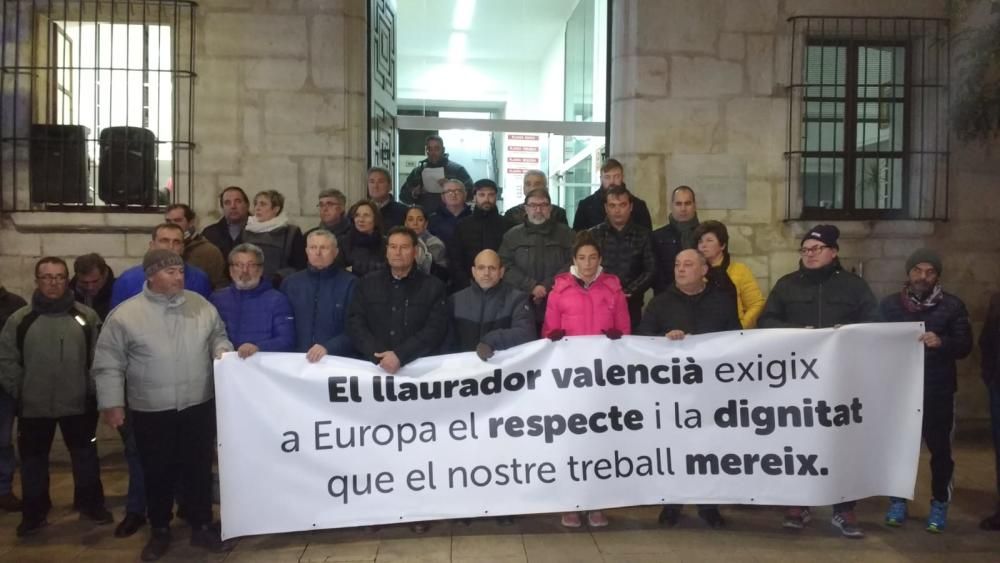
(586, 301)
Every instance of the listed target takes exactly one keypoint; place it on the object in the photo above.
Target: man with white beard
(258, 317)
(535, 251)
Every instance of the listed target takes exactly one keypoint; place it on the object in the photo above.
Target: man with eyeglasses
(535, 251)
(258, 318)
(442, 223)
(380, 192)
(333, 218)
(534, 180)
(46, 349)
(821, 294)
(320, 296)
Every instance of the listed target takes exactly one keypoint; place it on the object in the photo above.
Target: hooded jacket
(321, 300)
(260, 316)
(581, 311)
(819, 298)
(50, 375)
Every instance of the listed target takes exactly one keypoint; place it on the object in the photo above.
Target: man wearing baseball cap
(820, 294)
(155, 354)
(947, 339)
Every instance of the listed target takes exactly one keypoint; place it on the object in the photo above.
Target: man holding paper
(426, 182)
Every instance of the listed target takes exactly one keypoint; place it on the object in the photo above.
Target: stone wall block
(641, 76)
(732, 46)
(301, 113)
(327, 52)
(136, 244)
(254, 35)
(902, 248)
(105, 244)
(686, 26)
(23, 244)
(275, 74)
(751, 15)
(704, 77)
(760, 64)
(672, 125)
(758, 204)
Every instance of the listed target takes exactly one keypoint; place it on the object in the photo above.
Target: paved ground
(753, 533)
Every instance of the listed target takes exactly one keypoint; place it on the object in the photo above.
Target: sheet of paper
(431, 178)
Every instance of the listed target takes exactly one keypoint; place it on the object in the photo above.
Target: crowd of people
(389, 283)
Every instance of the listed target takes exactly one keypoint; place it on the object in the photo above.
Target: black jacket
(628, 255)
(950, 321)
(989, 342)
(500, 316)
(218, 234)
(666, 243)
(819, 298)
(363, 253)
(451, 170)
(408, 316)
(473, 234)
(9, 302)
(393, 213)
(712, 310)
(101, 303)
(590, 212)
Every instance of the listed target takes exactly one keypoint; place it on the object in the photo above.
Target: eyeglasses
(51, 279)
(325, 204)
(811, 250)
(455, 191)
(245, 265)
(538, 205)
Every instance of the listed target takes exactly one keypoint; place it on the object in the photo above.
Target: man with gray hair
(534, 180)
(156, 349)
(258, 317)
(320, 296)
(443, 222)
(333, 213)
(380, 192)
(535, 251)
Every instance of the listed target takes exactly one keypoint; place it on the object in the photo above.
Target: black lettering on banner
(770, 464)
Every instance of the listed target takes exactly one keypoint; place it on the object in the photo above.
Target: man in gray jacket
(534, 252)
(489, 315)
(45, 351)
(158, 347)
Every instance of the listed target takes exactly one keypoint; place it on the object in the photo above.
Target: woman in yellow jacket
(713, 242)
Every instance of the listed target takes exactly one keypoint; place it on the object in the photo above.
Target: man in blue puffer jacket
(320, 296)
(258, 317)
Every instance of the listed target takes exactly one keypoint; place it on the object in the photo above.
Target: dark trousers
(994, 395)
(635, 309)
(34, 440)
(135, 502)
(176, 447)
(937, 431)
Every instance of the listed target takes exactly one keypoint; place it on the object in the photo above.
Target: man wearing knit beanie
(155, 355)
(948, 338)
(820, 294)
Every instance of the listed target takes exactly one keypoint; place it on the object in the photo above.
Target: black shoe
(10, 503)
(130, 525)
(157, 546)
(207, 537)
(991, 523)
(712, 517)
(30, 527)
(99, 515)
(505, 520)
(669, 516)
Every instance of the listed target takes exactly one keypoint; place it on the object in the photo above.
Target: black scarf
(46, 306)
(686, 230)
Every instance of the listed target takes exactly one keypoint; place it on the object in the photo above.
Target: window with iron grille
(867, 134)
(97, 104)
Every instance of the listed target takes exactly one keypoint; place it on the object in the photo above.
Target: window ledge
(75, 222)
(907, 228)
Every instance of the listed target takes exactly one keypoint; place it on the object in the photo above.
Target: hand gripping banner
(775, 417)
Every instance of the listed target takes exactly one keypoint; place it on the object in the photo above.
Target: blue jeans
(8, 406)
(135, 502)
(994, 394)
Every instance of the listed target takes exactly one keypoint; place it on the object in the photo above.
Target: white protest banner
(777, 417)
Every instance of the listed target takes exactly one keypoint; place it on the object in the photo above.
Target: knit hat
(924, 255)
(826, 234)
(158, 259)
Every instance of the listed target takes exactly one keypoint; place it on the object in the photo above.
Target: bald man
(690, 305)
(489, 315)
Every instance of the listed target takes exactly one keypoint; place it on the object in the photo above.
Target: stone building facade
(699, 96)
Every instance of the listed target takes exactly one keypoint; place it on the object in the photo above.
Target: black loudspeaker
(58, 163)
(127, 173)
